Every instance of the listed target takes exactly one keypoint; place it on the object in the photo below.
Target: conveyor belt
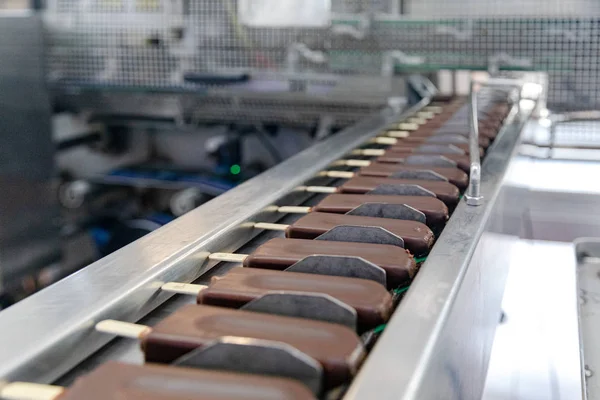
(141, 292)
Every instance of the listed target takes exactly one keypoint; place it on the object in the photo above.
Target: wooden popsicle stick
(426, 114)
(369, 152)
(318, 189)
(338, 174)
(227, 257)
(434, 109)
(417, 120)
(294, 210)
(123, 329)
(352, 163)
(384, 140)
(406, 126)
(270, 227)
(30, 391)
(397, 134)
(183, 288)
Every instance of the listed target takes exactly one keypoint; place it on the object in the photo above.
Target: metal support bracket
(350, 267)
(419, 174)
(440, 149)
(263, 357)
(315, 306)
(449, 138)
(386, 210)
(361, 234)
(430, 160)
(402, 190)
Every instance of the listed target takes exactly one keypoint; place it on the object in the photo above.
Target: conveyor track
(142, 299)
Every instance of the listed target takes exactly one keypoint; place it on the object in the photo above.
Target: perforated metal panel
(154, 43)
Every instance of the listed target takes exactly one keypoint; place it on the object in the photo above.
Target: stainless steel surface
(536, 352)
(28, 207)
(473, 195)
(126, 285)
(587, 251)
(437, 344)
(535, 355)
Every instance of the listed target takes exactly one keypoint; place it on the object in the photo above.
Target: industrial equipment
(321, 195)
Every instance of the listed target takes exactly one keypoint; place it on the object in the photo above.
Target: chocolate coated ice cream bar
(457, 177)
(462, 161)
(279, 253)
(238, 287)
(117, 381)
(418, 238)
(436, 212)
(337, 348)
(445, 191)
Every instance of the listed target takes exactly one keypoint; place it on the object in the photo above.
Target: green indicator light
(235, 169)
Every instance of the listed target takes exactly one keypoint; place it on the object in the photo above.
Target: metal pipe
(473, 195)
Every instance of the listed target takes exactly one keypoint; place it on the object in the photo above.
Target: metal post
(473, 195)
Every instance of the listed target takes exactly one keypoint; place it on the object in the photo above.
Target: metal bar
(51, 332)
(505, 83)
(587, 253)
(437, 344)
(564, 118)
(473, 195)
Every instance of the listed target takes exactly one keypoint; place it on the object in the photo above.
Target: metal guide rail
(349, 259)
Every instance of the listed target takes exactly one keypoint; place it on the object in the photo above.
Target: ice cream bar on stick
(195, 335)
(413, 235)
(358, 303)
(382, 206)
(461, 161)
(118, 381)
(445, 191)
(423, 148)
(455, 176)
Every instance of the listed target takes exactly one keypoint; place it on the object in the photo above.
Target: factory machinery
(347, 271)
(370, 265)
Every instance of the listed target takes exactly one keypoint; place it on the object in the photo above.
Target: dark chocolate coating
(455, 176)
(118, 381)
(397, 157)
(418, 149)
(484, 142)
(484, 130)
(445, 191)
(420, 141)
(372, 302)
(436, 212)
(337, 348)
(280, 253)
(418, 238)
